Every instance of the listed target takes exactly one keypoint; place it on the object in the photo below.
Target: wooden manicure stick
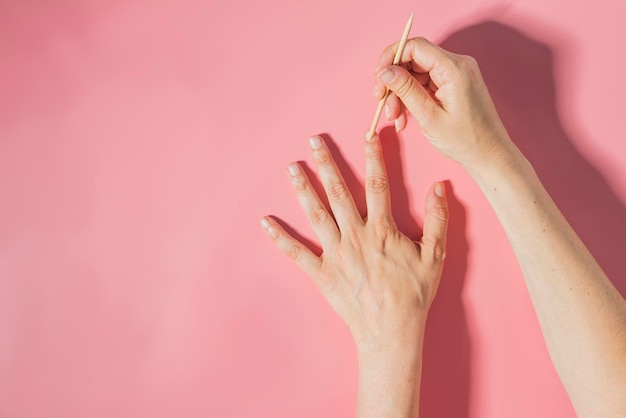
(396, 60)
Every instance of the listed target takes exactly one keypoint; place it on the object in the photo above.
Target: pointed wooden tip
(407, 28)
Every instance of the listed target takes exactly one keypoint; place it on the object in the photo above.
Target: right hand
(448, 98)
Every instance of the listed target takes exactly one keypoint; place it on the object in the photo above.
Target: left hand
(376, 278)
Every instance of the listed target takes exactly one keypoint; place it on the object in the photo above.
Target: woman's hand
(375, 277)
(447, 96)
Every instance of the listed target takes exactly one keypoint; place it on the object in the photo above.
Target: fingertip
(269, 228)
(436, 222)
(399, 123)
(315, 142)
(371, 136)
(379, 91)
(293, 169)
(394, 105)
(437, 196)
(440, 189)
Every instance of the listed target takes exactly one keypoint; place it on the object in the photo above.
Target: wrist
(503, 155)
(390, 375)
(391, 337)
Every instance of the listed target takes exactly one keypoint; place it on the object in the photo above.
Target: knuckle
(300, 185)
(294, 252)
(274, 234)
(404, 86)
(435, 250)
(428, 118)
(382, 230)
(337, 191)
(373, 151)
(440, 213)
(471, 62)
(469, 65)
(466, 67)
(418, 41)
(323, 159)
(318, 216)
(438, 252)
(377, 184)
(326, 281)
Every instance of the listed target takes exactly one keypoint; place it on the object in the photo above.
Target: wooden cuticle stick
(396, 60)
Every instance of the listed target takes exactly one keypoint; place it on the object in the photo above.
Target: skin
(382, 284)
(379, 281)
(581, 314)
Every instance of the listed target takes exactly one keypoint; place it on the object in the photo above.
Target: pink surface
(140, 142)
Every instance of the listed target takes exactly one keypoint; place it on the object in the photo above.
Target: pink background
(141, 141)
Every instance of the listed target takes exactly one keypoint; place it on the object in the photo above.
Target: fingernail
(379, 91)
(387, 76)
(387, 112)
(268, 228)
(440, 189)
(315, 142)
(396, 123)
(294, 169)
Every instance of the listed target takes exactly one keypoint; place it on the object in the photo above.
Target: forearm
(390, 376)
(582, 315)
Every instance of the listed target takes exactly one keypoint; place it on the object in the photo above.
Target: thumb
(414, 96)
(435, 224)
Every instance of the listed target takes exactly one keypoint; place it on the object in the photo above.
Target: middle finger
(339, 197)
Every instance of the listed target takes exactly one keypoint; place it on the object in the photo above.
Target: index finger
(425, 57)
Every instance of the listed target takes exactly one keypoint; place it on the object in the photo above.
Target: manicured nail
(294, 169)
(396, 123)
(268, 228)
(387, 112)
(315, 142)
(379, 91)
(440, 189)
(387, 76)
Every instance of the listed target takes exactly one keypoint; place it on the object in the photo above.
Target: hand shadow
(447, 369)
(519, 73)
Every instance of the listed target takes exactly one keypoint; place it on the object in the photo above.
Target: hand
(447, 96)
(376, 278)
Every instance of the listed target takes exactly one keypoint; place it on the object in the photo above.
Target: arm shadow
(519, 73)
